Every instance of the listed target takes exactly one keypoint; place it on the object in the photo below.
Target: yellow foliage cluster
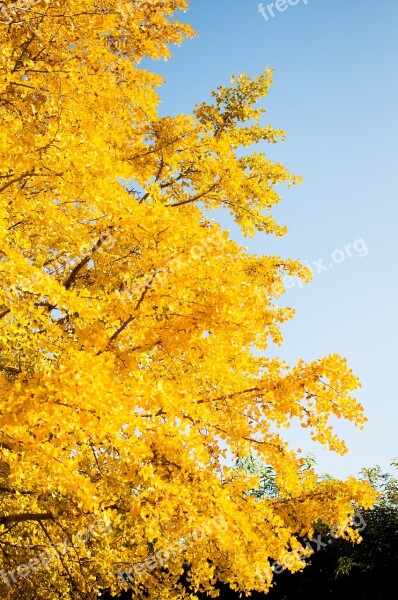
(131, 324)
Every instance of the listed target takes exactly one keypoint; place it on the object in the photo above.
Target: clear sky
(336, 96)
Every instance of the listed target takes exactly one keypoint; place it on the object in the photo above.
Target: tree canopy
(134, 331)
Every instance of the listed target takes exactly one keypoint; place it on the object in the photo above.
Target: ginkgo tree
(133, 368)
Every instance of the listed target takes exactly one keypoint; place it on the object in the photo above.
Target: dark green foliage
(341, 570)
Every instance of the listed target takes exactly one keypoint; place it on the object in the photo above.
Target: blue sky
(336, 96)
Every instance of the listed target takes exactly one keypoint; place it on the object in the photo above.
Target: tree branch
(5, 312)
(75, 271)
(130, 318)
(23, 517)
(204, 193)
(20, 178)
(7, 490)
